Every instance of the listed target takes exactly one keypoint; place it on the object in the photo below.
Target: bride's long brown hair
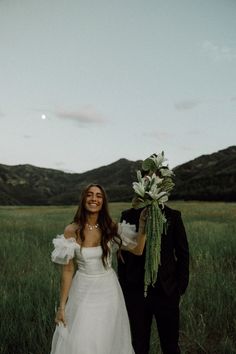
(107, 226)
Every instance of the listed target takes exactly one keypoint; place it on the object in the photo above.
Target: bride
(92, 317)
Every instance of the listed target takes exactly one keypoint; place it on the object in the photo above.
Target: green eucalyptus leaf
(148, 165)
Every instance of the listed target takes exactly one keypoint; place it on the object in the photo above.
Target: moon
(43, 116)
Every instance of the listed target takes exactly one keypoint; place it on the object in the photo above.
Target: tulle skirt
(96, 317)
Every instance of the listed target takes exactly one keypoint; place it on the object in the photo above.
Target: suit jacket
(173, 273)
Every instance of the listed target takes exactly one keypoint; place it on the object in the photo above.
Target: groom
(162, 300)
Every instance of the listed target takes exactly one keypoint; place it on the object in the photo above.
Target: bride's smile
(94, 200)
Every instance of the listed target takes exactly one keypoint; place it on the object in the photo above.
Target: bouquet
(152, 191)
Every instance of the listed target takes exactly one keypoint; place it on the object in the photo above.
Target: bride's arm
(66, 279)
(141, 236)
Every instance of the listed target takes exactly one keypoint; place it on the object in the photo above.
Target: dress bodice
(89, 260)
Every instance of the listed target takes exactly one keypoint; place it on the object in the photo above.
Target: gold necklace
(92, 227)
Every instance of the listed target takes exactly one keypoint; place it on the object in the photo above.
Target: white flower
(139, 176)
(159, 159)
(139, 188)
(155, 194)
(154, 187)
(165, 172)
(156, 179)
(153, 180)
(163, 199)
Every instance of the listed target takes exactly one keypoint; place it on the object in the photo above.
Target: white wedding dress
(96, 316)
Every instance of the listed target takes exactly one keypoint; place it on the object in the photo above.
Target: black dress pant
(165, 310)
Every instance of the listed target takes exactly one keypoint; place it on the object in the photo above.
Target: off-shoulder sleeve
(128, 234)
(64, 249)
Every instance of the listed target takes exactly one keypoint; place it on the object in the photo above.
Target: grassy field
(29, 282)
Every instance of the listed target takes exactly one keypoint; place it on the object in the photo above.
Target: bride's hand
(60, 317)
(142, 219)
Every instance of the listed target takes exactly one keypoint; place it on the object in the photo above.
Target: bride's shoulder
(70, 230)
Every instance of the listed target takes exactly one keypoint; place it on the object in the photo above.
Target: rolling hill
(208, 177)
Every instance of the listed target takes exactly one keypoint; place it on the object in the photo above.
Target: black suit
(162, 300)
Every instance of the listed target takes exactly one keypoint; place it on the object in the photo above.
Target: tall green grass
(29, 282)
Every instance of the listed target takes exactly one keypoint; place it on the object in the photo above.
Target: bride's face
(94, 200)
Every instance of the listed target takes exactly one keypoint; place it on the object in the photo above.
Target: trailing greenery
(154, 229)
(152, 191)
(29, 281)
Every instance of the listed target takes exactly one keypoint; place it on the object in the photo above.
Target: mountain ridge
(207, 177)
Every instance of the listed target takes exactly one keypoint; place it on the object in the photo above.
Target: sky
(84, 83)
